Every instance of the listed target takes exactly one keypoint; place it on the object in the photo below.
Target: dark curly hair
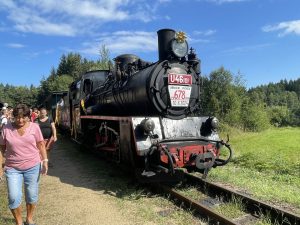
(21, 110)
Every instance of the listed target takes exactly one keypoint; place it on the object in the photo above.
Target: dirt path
(74, 194)
(81, 189)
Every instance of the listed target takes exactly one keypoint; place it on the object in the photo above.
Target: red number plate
(182, 79)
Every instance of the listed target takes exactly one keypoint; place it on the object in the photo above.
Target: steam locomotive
(144, 114)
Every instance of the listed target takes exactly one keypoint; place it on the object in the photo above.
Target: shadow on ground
(86, 169)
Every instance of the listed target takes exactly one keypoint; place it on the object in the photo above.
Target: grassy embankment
(265, 165)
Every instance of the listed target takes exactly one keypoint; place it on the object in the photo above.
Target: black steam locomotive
(145, 114)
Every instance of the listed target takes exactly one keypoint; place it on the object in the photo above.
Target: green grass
(192, 192)
(275, 150)
(232, 209)
(6, 217)
(265, 164)
(266, 221)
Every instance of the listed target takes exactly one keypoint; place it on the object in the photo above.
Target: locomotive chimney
(165, 36)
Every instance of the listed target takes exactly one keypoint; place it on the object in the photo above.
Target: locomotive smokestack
(164, 39)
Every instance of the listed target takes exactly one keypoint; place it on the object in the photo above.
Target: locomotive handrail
(222, 162)
(170, 159)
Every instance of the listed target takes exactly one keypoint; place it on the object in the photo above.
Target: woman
(48, 130)
(4, 118)
(24, 145)
(34, 114)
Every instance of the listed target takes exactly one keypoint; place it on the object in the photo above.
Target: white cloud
(197, 40)
(36, 54)
(205, 33)
(248, 48)
(167, 17)
(104, 10)
(204, 36)
(15, 45)
(73, 17)
(36, 24)
(225, 1)
(285, 28)
(121, 42)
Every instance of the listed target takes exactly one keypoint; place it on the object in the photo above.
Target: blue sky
(258, 38)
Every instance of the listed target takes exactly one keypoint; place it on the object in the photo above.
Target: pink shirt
(21, 151)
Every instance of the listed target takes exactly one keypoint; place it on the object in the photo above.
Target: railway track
(205, 212)
(253, 208)
(252, 205)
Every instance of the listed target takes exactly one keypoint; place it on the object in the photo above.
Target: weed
(232, 209)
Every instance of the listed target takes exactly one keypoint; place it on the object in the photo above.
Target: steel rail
(200, 208)
(253, 205)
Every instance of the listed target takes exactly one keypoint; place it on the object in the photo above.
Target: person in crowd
(10, 116)
(3, 121)
(3, 118)
(48, 130)
(34, 114)
(26, 158)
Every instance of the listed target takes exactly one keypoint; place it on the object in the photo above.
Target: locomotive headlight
(214, 123)
(180, 49)
(148, 125)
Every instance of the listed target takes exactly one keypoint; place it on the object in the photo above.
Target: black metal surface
(124, 60)
(137, 88)
(145, 93)
(165, 36)
(254, 206)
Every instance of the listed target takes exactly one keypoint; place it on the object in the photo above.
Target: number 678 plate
(179, 95)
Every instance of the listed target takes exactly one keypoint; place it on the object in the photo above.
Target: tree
(281, 101)
(279, 115)
(74, 62)
(62, 67)
(222, 96)
(105, 62)
(60, 83)
(254, 116)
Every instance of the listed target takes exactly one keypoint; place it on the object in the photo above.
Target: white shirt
(3, 120)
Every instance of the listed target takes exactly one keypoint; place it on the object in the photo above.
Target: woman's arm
(54, 131)
(41, 146)
(2, 148)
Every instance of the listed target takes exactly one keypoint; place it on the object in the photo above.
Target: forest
(223, 94)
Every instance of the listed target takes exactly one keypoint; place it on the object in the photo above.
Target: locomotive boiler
(146, 114)
(169, 88)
